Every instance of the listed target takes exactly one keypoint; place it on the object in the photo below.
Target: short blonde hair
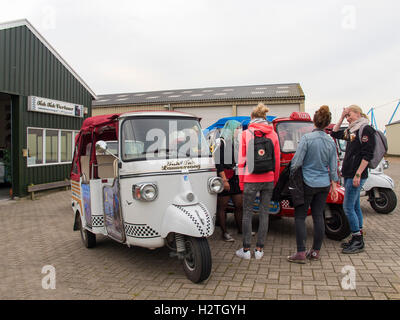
(357, 109)
(260, 111)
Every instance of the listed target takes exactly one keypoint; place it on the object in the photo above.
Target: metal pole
(391, 118)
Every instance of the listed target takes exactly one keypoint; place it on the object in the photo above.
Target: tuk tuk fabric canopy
(244, 120)
(98, 121)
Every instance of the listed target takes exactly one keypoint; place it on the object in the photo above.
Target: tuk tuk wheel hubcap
(189, 257)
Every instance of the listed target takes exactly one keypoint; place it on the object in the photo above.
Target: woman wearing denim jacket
(317, 156)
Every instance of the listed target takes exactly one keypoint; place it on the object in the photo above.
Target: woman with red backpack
(259, 164)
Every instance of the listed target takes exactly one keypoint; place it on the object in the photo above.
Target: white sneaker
(244, 255)
(258, 254)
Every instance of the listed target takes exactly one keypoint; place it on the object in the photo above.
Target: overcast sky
(341, 52)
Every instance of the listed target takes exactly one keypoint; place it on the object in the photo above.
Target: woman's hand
(227, 187)
(356, 181)
(342, 117)
(344, 113)
(334, 193)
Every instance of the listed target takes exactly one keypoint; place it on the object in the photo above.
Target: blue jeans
(351, 204)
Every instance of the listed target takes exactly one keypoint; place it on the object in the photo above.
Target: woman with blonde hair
(359, 151)
(261, 139)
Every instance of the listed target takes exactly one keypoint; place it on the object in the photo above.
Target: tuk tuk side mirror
(101, 146)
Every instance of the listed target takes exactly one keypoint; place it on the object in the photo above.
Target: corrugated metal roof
(253, 92)
(25, 22)
(396, 122)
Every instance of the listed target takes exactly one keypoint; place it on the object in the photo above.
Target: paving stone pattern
(34, 234)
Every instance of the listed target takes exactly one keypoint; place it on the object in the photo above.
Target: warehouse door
(208, 115)
(5, 146)
(277, 110)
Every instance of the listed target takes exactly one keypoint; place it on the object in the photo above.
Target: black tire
(386, 203)
(197, 262)
(88, 238)
(337, 227)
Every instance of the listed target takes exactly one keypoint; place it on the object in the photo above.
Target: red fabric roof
(99, 121)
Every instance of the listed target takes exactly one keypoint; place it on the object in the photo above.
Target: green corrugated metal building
(43, 103)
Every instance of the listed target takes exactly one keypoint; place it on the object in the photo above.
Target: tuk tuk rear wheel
(88, 238)
(197, 262)
(337, 227)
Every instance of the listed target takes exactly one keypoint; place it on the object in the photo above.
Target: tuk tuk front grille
(140, 231)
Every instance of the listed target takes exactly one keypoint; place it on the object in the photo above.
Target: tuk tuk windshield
(162, 138)
(290, 133)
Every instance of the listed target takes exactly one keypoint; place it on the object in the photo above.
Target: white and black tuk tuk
(147, 179)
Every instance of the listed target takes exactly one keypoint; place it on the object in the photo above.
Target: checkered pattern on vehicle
(140, 231)
(204, 227)
(97, 221)
(208, 218)
(285, 204)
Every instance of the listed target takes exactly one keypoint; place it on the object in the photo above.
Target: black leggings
(316, 197)
(222, 203)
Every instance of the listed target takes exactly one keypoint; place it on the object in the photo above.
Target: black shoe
(347, 244)
(357, 245)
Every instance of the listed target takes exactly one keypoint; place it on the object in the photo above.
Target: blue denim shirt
(316, 153)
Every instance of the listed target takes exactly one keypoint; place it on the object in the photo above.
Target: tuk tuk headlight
(145, 191)
(385, 164)
(215, 185)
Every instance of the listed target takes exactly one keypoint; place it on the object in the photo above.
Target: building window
(66, 146)
(35, 146)
(51, 146)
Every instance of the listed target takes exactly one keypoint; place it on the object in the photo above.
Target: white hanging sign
(56, 107)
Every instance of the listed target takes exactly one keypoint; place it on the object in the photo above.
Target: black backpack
(260, 154)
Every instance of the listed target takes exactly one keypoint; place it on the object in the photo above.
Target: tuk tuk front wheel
(197, 262)
(337, 226)
(88, 238)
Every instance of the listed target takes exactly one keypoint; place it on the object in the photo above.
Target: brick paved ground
(38, 233)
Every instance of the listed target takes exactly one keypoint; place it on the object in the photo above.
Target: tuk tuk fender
(76, 221)
(378, 181)
(192, 220)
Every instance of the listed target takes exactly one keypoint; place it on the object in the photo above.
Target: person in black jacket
(225, 155)
(359, 151)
